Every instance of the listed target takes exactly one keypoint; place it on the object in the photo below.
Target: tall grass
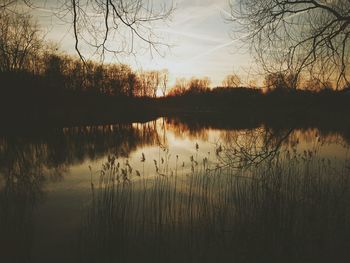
(295, 208)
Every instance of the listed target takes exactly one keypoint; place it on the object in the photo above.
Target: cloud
(222, 10)
(191, 35)
(210, 51)
(218, 47)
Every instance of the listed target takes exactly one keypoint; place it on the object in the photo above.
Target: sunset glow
(199, 36)
(174, 131)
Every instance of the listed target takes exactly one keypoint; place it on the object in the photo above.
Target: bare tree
(5, 4)
(147, 83)
(198, 85)
(179, 88)
(108, 26)
(190, 86)
(164, 80)
(154, 77)
(281, 80)
(303, 34)
(116, 26)
(316, 84)
(231, 81)
(20, 42)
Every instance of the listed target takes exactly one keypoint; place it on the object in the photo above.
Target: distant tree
(142, 77)
(292, 80)
(99, 77)
(179, 88)
(154, 81)
(231, 81)
(274, 81)
(192, 86)
(291, 35)
(281, 80)
(146, 84)
(75, 76)
(197, 85)
(117, 79)
(164, 81)
(181, 83)
(132, 84)
(251, 84)
(149, 83)
(315, 84)
(20, 42)
(54, 71)
(126, 72)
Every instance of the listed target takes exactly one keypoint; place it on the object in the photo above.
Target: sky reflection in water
(45, 182)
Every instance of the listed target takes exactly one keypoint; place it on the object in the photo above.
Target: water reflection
(20, 189)
(292, 208)
(61, 149)
(36, 170)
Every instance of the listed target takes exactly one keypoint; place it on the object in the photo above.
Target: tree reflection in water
(28, 162)
(23, 173)
(288, 207)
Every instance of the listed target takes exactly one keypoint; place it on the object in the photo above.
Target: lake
(175, 190)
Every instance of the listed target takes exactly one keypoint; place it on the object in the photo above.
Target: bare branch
(117, 26)
(297, 35)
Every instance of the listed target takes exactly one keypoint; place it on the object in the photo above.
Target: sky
(200, 38)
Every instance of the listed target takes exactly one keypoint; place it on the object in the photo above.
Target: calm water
(45, 179)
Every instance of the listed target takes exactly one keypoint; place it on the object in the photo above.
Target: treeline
(65, 72)
(41, 85)
(57, 72)
(285, 82)
(325, 108)
(23, 52)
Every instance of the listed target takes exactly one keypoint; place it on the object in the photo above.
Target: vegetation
(109, 27)
(256, 198)
(231, 81)
(24, 54)
(292, 208)
(297, 37)
(201, 206)
(52, 88)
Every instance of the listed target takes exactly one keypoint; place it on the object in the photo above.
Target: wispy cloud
(218, 47)
(191, 35)
(223, 11)
(210, 51)
(193, 15)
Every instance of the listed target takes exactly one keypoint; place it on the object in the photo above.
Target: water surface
(46, 179)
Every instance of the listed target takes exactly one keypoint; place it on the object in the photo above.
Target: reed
(295, 208)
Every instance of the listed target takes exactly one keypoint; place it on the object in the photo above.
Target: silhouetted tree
(145, 85)
(315, 84)
(20, 42)
(179, 88)
(129, 20)
(54, 71)
(149, 82)
(231, 81)
(251, 84)
(281, 80)
(197, 85)
(298, 34)
(192, 86)
(164, 80)
(108, 26)
(154, 77)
